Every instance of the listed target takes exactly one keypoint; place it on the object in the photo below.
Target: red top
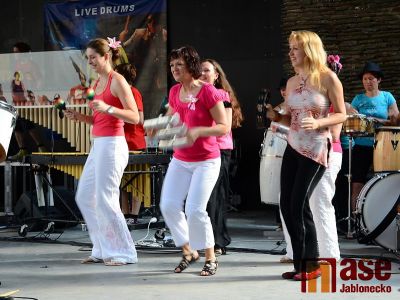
(103, 123)
(134, 134)
(196, 113)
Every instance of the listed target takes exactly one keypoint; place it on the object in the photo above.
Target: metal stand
(349, 218)
(50, 216)
(7, 189)
(157, 177)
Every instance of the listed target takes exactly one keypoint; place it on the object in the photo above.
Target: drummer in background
(380, 105)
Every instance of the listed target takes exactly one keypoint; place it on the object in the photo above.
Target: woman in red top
(134, 135)
(98, 190)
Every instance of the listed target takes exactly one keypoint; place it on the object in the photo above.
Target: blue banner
(140, 25)
(72, 24)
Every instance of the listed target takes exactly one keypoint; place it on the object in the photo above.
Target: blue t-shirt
(377, 107)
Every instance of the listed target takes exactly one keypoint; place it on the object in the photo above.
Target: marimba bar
(76, 133)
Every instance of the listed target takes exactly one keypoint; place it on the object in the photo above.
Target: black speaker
(64, 208)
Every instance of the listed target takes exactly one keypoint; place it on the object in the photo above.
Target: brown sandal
(91, 260)
(210, 268)
(185, 262)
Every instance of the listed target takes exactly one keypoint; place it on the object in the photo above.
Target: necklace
(302, 83)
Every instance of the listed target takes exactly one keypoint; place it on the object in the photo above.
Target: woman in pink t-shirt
(194, 169)
(217, 206)
(98, 189)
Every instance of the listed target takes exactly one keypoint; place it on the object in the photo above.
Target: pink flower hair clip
(334, 63)
(113, 43)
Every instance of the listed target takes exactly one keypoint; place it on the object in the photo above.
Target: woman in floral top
(309, 94)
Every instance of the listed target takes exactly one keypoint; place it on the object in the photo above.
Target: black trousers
(217, 205)
(299, 177)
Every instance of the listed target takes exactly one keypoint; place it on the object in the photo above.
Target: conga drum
(272, 151)
(355, 124)
(387, 149)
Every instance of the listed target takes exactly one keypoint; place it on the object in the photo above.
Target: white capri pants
(193, 181)
(98, 199)
(323, 212)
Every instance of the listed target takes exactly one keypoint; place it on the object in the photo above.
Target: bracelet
(110, 110)
(278, 118)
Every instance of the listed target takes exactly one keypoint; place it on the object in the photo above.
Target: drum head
(377, 202)
(274, 146)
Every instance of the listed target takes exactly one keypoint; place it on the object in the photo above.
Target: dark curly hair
(191, 59)
(128, 71)
(101, 47)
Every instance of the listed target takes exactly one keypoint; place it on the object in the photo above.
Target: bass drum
(272, 150)
(375, 201)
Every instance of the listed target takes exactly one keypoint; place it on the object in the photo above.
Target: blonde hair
(315, 60)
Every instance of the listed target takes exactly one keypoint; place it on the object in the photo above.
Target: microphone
(59, 103)
(263, 99)
(266, 96)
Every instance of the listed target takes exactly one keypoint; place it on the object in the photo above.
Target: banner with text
(139, 24)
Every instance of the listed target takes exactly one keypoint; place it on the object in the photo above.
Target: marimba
(76, 133)
(139, 163)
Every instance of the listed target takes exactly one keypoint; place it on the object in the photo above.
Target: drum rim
(363, 228)
(358, 115)
(387, 128)
(8, 107)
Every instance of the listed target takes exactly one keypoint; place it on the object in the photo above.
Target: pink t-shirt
(336, 145)
(193, 114)
(225, 142)
(103, 123)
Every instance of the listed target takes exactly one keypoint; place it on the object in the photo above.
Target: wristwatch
(110, 110)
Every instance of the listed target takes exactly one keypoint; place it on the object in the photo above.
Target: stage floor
(49, 269)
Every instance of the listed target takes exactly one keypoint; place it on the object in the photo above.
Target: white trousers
(323, 212)
(98, 199)
(193, 182)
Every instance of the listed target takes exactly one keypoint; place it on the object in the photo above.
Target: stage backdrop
(139, 24)
(34, 78)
